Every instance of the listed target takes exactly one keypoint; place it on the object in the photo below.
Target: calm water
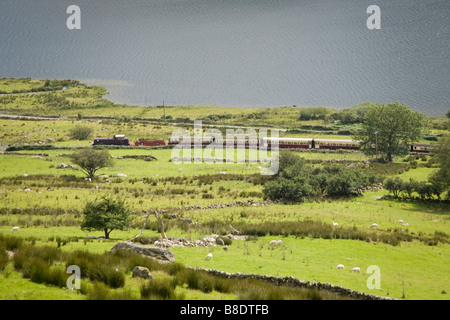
(244, 53)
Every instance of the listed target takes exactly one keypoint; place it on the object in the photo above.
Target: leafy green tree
(91, 160)
(106, 214)
(390, 129)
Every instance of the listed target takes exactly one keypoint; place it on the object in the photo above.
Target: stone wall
(293, 282)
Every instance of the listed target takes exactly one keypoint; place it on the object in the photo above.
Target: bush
(97, 268)
(81, 133)
(196, 280)
(158, 289)
(102, 292)
(314, 113)
(3, 259)
(296, 181)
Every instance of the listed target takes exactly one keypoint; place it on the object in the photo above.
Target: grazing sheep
(406, 224)
(15, 229)
(356, 269)
(208, 256)
(275, 243)
(400, 221)
(340, 266)
(374, 225)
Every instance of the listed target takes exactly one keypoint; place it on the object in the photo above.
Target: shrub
(296, 181)
(11, 243)
(3, 259)
(81, 133)
(97, 267)
(158, 289)
(314, 113)
(102, 292)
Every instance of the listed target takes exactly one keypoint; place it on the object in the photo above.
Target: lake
(241, 53)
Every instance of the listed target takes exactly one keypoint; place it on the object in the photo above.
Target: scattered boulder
(220, 241)
(61, 166)
(141, 272)
(234, 231)
(187, 220)
(161, 254)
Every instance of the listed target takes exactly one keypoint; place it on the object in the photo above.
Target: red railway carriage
(117, 140)
(150, 143)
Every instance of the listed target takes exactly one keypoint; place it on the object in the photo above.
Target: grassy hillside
(47, 204)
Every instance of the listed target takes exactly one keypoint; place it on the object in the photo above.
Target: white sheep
(208, 256)
(374, 225)
(406, 224)
(335, 223)
(275, 243)
(356, 269)
(15, 229)
(340, 266)
(400, 221)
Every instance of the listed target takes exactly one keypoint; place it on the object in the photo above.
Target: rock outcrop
(161, 254)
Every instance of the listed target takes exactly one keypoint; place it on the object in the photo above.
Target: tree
(106, 214)
(81, 133)
(441, 155)
(160, 220)
(91, 160)
(390, 129)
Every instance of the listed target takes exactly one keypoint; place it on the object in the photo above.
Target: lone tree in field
(390, 129)
(106, 214)
(91, 160)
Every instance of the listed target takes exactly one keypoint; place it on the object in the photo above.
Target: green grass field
(47, 202)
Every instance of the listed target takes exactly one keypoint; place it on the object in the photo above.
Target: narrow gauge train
(245, 141)
(288, 143)
(117, 140)
(284, 143)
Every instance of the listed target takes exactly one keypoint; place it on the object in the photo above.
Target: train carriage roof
(288, 139)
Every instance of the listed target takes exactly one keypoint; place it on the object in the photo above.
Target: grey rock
(161, 254)
(141, 272)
